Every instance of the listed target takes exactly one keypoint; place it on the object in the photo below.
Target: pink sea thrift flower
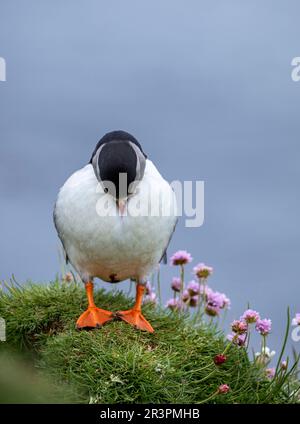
(175, 304)
(202, 271)
(205, 289)
(182, 257)
(176, 284)
(185, 296)
(193, 302)
(239, 327)
(212, 311)
(270, 373)
(224, 388)
(214, 299)
(250, 316)
(263, 326)
(219, 300)
(237, 339)
(226, 301)
(148, 288)
(68, 277)
(193, 288)
(150, 298)
(296, 319)
(284, 365)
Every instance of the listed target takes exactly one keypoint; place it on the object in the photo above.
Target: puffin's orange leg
(93, 317)
(134, 316)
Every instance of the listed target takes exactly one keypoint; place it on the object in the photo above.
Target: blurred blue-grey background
(206, 88)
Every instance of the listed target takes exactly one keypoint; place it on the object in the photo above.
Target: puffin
(115, 218)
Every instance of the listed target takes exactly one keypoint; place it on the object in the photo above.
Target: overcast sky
(206, 88)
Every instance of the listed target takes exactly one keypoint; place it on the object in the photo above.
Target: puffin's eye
(106, 190)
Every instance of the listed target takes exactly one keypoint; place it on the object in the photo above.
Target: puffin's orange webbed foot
(135, 318)
(93, 317)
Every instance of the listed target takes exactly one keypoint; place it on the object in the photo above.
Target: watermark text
(296, 69)
(2, 69)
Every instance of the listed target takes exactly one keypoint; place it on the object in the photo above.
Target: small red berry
(220, 359)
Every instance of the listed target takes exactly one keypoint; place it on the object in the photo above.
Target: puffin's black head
(119, 162)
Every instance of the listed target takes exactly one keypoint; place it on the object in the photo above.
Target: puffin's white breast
(99, 242)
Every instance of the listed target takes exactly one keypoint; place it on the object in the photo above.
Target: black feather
(117, 135)
(164, 258)
(56, 226)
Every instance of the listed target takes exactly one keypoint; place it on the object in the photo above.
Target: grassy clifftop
(120, 364)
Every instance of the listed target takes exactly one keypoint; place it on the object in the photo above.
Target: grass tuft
(117, 363)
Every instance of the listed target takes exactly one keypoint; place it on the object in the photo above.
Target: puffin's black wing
(59, 235)
(164, 258)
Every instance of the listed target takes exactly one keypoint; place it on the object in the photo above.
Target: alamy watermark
(296, 69)
(2, 330)
(2, 69)
(157, 199)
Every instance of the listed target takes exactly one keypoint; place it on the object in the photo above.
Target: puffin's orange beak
(121, 204)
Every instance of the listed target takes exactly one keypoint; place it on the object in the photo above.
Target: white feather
(127, 246)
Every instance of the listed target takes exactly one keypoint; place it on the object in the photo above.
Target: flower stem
(248, 337)
(204, 289)
(210, 364)
(158, 286)
(230, 343)
(201, 298)
(263, 349)
(181, 279)
(207, 376)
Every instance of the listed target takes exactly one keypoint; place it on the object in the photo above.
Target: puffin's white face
(119, 165)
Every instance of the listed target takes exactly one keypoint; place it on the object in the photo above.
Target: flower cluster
(240, 328)
(175, 304)
(239, 332)
(215, 302)
(196, 292)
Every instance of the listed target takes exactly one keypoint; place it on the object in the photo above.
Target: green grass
(120, 364)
